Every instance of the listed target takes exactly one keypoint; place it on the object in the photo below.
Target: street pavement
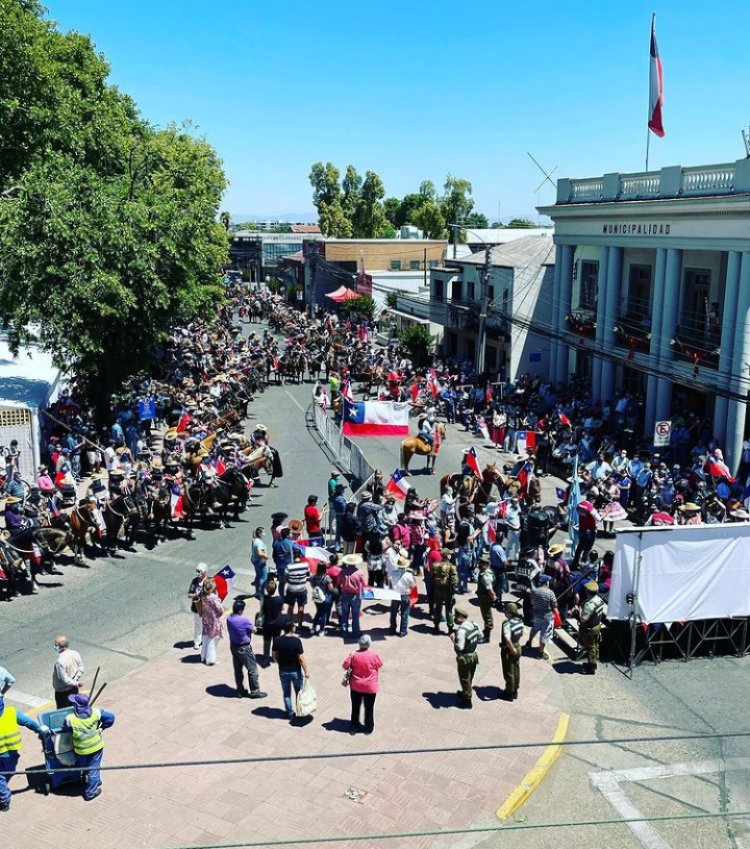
(130, 616)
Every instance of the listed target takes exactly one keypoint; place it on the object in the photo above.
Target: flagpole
(648, 116)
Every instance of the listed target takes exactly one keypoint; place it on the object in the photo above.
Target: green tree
(108, 229)
(328, 199)
(476, 220)
(407, 209)
(417, 342)
(391, 298)
(362, 308)
(427, 190)
(351, 186)
(333, 221)
(225, 218)
(456, 202)
(369, 218)
(391, 207)
(430, 219)
(520, 224)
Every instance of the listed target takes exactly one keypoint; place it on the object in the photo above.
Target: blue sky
(416, 90)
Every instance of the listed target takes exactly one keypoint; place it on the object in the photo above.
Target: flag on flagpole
(523, 478)
(224, 581)
(397, 484)
(433, 384)
(656, 87)
(472, 462)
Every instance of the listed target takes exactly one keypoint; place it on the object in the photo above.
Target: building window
(395, 265)
(432, 263)
(437, 290)
(457, 290)
(414, 264)
(695, 308)
(639, 291)
(470, 290)
(589, 287)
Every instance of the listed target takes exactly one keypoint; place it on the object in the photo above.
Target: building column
(565, 295)
(601, 304)
(657, 311)
(728, 318)
(555, 320)
(611, 314)
(737, 407)
(668, 325)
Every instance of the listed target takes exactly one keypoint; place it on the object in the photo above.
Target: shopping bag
(307, 699)
(556, 619)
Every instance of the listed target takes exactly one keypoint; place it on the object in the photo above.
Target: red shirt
(364, 665)
(312, 520)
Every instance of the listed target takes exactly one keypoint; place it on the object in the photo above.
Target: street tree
(351, 187)
(520, 224)
(430, 219)
(417, 342)
(369, 218)
(476, 220)
(456, 202)
(328, 200)
(226, 219)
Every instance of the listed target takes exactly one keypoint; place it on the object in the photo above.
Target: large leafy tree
(351, 186)
(328, 199)
(108, 228)
(430, 219)
(456, 202)
(369, 216)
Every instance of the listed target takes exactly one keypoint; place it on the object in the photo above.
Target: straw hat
(690, 507)
(295, 525)
(556, 548)
(352, 559)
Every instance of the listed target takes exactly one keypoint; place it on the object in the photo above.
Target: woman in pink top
(363, 683)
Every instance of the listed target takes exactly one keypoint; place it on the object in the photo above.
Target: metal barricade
(348, 455)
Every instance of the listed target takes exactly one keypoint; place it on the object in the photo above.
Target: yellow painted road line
(537, 773)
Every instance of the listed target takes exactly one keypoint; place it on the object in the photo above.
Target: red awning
(342, 294)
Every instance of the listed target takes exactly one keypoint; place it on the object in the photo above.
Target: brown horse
(416, 445)
(478, 491)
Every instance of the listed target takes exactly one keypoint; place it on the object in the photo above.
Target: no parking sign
(662, 434)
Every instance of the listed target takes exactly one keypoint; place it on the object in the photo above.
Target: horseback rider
(425, 431)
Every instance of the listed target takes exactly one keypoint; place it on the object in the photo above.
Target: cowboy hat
(690, 507)
(591, 586)
(295, 525)
(556, 548)
(351, 559)
(11, 499)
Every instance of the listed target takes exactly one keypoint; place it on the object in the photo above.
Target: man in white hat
(201, 571)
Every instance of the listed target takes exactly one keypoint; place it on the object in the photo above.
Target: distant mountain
(295, 217)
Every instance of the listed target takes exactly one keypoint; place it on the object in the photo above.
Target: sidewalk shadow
(337, 724)
(301, 721)
(488, 693)
(191, 658)
(269, 712)
(183, 644)
(567, 667)
(422, 628)
(441, 700)
(222, 691)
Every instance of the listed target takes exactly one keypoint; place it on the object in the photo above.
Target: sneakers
(5, 806)
(92, 796)
(257, 695)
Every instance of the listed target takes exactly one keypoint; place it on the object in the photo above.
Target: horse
(477, 491)
(14, 574)
(160, 514)
(121, 514)
(256, 459)
(315, 366)
(82, 523)
(416, 445)
(233, 491)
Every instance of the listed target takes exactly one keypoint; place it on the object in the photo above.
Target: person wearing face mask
(67, 672)
(259, 559)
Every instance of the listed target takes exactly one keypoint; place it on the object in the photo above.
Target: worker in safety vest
(86, 725)
(11, 721)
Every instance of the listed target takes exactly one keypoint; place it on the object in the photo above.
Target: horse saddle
(427, 445)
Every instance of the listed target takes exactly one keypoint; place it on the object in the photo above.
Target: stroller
(58, 752)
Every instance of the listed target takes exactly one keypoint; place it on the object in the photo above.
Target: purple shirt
(240, 629)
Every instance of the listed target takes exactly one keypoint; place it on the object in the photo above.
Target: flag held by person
(376, 418)
(224, 579)
(397, 484)
(656, 87)
(472, 461)
(525, 440)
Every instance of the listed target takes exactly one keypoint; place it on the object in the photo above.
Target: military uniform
(444, 586)
(511, 632)
(466, 639)
(486, 597)
(592, 613)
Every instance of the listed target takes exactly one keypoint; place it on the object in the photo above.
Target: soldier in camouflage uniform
(592, 614)
(444, 586)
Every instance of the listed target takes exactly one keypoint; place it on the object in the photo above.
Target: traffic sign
(662, 434)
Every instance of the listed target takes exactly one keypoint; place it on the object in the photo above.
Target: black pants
(62, 697)
(242, 659)
(369, 700)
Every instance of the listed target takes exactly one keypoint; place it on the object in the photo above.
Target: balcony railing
(673, 182)
(697, 345)
(582, 322)
(633, 332)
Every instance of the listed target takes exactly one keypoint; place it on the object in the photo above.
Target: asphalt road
(126, 611)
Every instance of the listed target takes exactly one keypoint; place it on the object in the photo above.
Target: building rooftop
(500, 235)
(520, 253)
(305, 228)
(387, 241)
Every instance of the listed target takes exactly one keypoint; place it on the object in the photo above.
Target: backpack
(441, 575)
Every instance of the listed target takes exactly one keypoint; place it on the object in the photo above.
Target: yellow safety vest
(10, 733)
(87, 735)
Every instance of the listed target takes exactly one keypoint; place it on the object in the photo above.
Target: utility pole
(425, 268)
(483, 307)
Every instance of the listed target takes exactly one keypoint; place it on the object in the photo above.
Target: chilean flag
(182, 424)
(717, 468)
(433, 384)
(224, 581)
(525, 439)
(397, 485)
(176, 502)
(221, 466)
(376, 418)
(523, 477)
(472, 462)
(346, 390)
(489, 534)
(656, 87)
(564, 420)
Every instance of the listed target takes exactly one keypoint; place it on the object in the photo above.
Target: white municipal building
(652, 291)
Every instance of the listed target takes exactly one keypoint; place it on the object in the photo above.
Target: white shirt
(110, 458)
(404, 583)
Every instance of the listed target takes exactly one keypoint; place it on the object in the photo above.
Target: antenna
(547, 175)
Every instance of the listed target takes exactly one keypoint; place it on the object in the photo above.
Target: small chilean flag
(525, 439)
(489, 534)
(397, 485)
(564, 420)
(182, 424)
(656, 87)
(224, 581)
(472, 462)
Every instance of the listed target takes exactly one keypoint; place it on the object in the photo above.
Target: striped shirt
(542, 602)
(296, 577)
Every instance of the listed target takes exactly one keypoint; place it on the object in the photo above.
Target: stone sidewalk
(176, 709)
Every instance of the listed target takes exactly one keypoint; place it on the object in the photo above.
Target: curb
(537, 773)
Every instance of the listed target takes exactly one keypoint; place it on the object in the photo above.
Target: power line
(430, 750)
(488, 829)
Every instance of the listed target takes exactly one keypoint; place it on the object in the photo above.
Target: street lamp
(484, 297)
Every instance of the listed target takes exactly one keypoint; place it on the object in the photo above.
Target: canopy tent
(342, 294)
